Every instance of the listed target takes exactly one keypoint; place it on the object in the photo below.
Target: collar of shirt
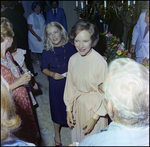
(55, 9)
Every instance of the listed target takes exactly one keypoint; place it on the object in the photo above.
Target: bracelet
(95, 120)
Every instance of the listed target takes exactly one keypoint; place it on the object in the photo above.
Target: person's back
(119, 135)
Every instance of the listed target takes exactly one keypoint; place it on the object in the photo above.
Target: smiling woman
(54, 63)
(87, 68)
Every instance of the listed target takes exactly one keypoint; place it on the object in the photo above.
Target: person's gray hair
(127, 87)
(48, 43)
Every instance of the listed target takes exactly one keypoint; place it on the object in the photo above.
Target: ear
(6, 39)
(110, 109)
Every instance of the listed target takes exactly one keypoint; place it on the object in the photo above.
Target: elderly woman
(36, 25)
(126, 90)
(87, 68)
(9, 71)
(10, 121)
(54, 64)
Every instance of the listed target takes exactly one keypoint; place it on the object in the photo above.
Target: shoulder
(99, 58)
(22, 51)
(49, 11)
(142, 15)
(47, 53)
(17, 142)
(60, 9)
(94, 140)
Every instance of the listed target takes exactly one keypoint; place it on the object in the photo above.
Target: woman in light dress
(86, 114)
(36, 25)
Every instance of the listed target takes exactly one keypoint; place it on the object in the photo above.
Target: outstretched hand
(57, 76)
(88, 126)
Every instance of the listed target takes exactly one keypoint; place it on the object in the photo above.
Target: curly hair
(6, 28)
(10, 121)
(84, 25)
(127, 87)
(48, 43)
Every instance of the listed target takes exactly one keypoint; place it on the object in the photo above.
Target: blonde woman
(10, 121)
(54, 64)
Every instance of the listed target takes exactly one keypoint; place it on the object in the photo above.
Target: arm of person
(23, 79)
(136, 33)
(54, 75)
(33, 32)
(69, 93)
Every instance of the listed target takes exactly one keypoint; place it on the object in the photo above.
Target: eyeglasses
(100, 88)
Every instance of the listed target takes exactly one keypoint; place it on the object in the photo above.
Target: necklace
(64, 57)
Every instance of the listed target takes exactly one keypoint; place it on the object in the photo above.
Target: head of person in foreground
(126, 90)
(10, 121)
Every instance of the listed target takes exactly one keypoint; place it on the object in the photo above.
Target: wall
(68, 7)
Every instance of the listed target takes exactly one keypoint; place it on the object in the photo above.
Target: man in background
(56, 14)
(140, 38)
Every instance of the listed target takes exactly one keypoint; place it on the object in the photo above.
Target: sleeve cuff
(95, 116)
(69, 108)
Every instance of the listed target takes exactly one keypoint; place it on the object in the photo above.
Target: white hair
(127, 87)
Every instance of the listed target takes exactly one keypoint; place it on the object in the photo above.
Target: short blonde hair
(127, 87)
(6, 28)
(48, 43)
(10, 121)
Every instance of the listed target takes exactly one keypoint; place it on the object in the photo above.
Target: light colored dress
(81, 92)
(19, 56)
(35, 45)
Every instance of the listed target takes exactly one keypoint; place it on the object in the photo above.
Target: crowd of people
(83, 89)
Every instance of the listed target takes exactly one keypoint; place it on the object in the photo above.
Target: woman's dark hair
(34, 4)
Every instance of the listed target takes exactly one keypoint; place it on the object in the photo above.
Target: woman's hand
(132, 49)
(88, 126)
(73, 144)
(70, 120)
(57, 76)
(35, 86)
(24, 79)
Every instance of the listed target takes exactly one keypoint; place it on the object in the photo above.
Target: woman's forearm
(14, 85)
(48, 72)
(32, 31)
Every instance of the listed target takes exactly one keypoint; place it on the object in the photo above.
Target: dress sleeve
(99, 108)
(44, 63)
(69, 91)
(30, 20)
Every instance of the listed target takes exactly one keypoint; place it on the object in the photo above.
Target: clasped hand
(57, 76)
(70, 119)
(88, 126)
(24, 79)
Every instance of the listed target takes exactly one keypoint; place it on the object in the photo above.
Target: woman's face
(55, 35)
(37, 9)
(83, 42)
(10, 40)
